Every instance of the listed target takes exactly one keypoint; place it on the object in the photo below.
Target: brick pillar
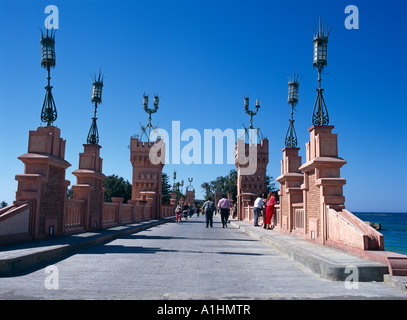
(119, 212)
(250, 185)
(147, 177)
(322, 182)
(89, 185)
(230, 198)
(43, 182)
(190, 197)
(173, 200)
(290, 188)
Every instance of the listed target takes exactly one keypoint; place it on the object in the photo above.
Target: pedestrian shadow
(106, 249)
(121, 249)
(147, 237)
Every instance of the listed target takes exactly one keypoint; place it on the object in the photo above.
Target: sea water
(393, 228)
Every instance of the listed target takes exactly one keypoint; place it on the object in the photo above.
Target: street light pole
(320, 112)
(93, 135)
(291, 136)
(49, 111)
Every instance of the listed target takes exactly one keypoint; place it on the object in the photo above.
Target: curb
(316, 265)
(74, 243)
(400, 282)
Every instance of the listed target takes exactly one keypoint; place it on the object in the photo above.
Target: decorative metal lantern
(145, 101)
(320, 112)
(291, 136)
(293, 91)
(93, 135)
(97, 89)
(246, 103)
(320, 48)
(48, 49)
(49, 110)
(257, 104)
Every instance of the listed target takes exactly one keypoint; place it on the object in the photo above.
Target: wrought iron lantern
(93, 135)
(48, 49)
(97, 89)
(49, 111)
(320, 112)
(291, 136)
(293, 91)
(320, 49)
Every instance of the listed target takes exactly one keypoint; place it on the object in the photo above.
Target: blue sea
(394, 228)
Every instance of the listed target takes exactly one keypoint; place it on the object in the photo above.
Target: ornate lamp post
(93, 135)
(291, 136)
(190, 183)
(320, 112)
(49, 111)
(251, 113)
(175, 177)
(150, 112)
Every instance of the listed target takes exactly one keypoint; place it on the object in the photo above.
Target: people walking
(191, 211)
(178, 212)
(185, 211)
(258, 204)
(208, 209)
(271, 201)
(224, 208)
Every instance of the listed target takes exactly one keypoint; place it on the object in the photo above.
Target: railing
(277, 215)
(74, 213)
(127, 212)
(298, 218)
(110, 213)
(167, 210)
(248, 213)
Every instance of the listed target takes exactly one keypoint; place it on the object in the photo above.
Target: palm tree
(208, 189)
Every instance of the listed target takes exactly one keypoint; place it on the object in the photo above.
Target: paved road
(186, 261)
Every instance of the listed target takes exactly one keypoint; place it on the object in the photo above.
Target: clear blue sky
(202, 58)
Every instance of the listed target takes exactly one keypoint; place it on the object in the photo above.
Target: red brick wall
(52, 199)
(313, 201)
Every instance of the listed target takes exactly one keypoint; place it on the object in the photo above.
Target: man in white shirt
(258, 204)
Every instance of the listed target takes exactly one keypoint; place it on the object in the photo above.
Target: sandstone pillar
(323, 185)
(89, 185)
(290, 191)
(173, 200)
(43, 182)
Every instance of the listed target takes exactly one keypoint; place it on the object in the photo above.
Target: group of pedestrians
(268, 204)
(223, 208)
(185, 211)
(209, 209)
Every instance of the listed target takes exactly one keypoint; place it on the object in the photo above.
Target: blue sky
(202, 58)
